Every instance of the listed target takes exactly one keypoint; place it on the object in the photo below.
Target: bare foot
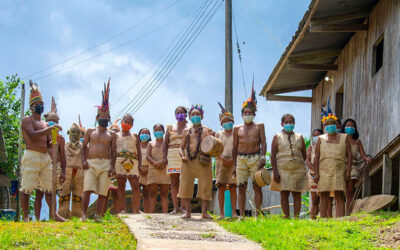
(206, 216)
(221, 217)
(186, 216)
(84, 218)
(175, 211)
(235, 216)
(97, 218)
(26, 219)
(122, 212)
(59, 218)
(241, 218)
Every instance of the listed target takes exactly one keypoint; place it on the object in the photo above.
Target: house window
(339, 103)
(377, 55)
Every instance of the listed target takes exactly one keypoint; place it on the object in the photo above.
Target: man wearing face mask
(98, 155)
(224, 168)
(36, 167)
(73, 177)
(195, 164)
(52, 118)
(249, 149)
(332, 163)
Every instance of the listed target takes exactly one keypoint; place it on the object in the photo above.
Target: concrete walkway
(161, 231)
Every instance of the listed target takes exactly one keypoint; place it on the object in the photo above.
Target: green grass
(110, 234)
(357, 232)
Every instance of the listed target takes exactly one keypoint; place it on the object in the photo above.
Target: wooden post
(17, 217)
(228, 56)
(387, 175)
(366, 191)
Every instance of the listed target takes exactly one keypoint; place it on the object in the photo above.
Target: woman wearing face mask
(288, 154)
(172, 159)
(357, 149)
(157, 176)
(128, 164)
(332, 164)
(311, 173)
(224, 164)
(145, 138)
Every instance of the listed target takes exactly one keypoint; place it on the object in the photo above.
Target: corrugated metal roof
(3, 153)
(306, 44)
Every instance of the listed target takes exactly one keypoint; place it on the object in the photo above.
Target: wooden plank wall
(372, 100)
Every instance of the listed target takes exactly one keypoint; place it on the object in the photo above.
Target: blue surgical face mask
(51, 123)
(288, 127)
(196, 120)
(315, 139)
(227, 125)
(81, 139)
(350, 130)
(144, 137)
(330, 129)
(158, 134)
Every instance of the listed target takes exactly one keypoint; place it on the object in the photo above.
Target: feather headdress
(35, 95)
(225, 114)
(115, 126)
(52, 115)
(104, 109)
(199, 107)
(81, 127)
(251, 102)
(327, 114)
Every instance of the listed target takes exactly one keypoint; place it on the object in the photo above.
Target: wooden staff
(54, 159)
(18, 173)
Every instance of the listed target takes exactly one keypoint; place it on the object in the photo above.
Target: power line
(269, 33)
(112, 49)
(123, 110)
(105, 41)
(160, 81)
(172, 57)
(165, 64)
(240, 55)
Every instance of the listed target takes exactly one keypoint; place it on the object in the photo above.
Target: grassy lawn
(360, 231)
(111, 234)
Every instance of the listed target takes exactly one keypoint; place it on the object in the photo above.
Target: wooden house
(349, 50)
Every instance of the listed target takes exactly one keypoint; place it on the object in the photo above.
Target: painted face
(74, 136)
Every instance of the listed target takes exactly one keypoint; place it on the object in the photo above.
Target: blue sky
(37, 34)
(41, 33)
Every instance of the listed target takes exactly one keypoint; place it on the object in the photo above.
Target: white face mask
(248, 118)
(315, 139)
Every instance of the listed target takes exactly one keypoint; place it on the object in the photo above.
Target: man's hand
(316, 178)
(262, 164)
(142, 170)
(111, 172)
(165, 161)
(368, 160)
(234, 173)
(55, 126)
(184, 159)
(226, 162)
(277, 177)
(62, 178)
(85, 165)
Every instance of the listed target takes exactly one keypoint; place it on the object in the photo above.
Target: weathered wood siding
(372, 100)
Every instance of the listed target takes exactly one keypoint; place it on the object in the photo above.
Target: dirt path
(160, 231)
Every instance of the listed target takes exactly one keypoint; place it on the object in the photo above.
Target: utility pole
(20, 149)
(228, 56)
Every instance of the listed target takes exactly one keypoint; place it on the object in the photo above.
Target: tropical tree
(10, 105)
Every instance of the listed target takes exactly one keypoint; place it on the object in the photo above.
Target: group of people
(102, 159)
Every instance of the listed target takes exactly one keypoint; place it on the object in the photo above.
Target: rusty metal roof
(3, 153)
(312, 46)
